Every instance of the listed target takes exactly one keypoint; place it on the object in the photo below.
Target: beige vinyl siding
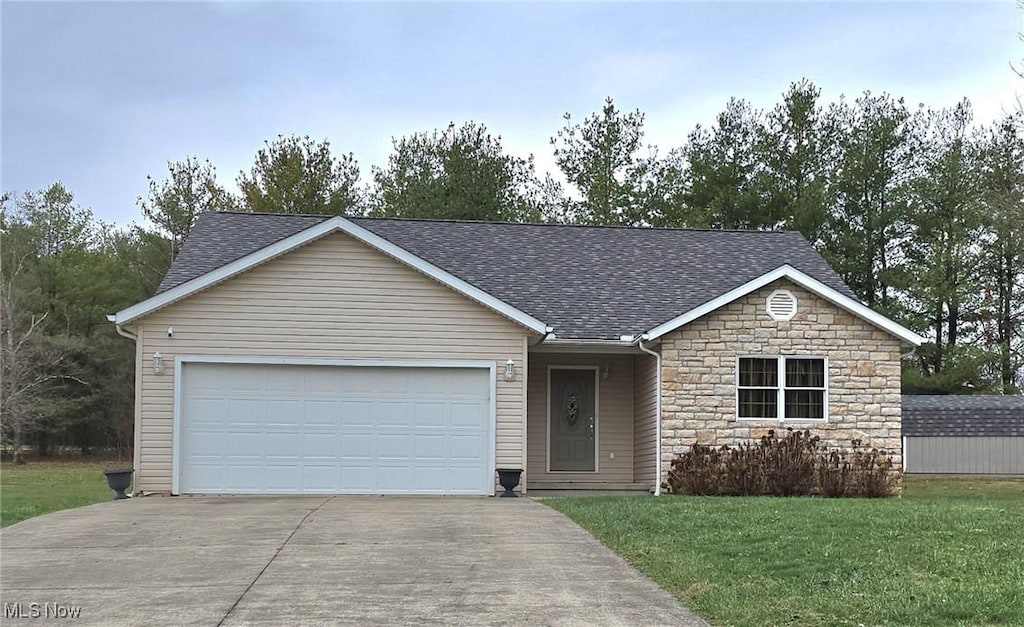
(645, 418)
(615, 417)
(334, 298)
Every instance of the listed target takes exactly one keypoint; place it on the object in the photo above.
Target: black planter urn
(119, 481)
(509, 479)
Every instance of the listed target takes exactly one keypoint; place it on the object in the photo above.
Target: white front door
(282, 429)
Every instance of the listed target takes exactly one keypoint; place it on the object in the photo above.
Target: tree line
(920, 210)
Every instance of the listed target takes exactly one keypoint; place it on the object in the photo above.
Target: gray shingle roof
(586, 282)
(965, 416)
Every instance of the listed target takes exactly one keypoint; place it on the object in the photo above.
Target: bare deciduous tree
(19, 380)
(29, 364)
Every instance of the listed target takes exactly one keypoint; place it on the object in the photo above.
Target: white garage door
(278, 429)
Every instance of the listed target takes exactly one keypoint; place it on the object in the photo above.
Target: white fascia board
(597, 342)
(327, 227)
(584, 346)
(807, 282)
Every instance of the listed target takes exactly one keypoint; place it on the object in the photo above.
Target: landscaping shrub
(698, 471)
(834, 474)
(865, 473)
(744, 468)
(790, 463)
(797, 464)
(872, 472)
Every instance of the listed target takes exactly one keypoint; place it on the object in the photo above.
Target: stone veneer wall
(699, 374)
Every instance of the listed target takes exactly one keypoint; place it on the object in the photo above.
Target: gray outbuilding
(963, 435)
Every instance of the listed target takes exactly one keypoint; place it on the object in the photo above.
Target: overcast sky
(98, 95)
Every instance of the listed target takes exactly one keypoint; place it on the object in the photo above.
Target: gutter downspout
(136, 427)
(127, 334)
(113, 319)
(657, 410)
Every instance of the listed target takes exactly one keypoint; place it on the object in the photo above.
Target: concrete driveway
(283, 561)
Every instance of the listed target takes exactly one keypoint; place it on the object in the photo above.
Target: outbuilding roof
(964, 416)
(587, 282)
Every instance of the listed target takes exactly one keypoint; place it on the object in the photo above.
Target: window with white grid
(781, 388)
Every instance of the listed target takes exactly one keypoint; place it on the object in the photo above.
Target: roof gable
(803, 280)
(309, 234)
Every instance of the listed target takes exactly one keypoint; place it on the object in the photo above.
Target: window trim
(781, 389)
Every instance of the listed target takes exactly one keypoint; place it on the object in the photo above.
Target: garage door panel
(283, 413)
(320, 446)
(283, 380)
(320, 477)
(319, 381)
(321, 429)
(361, 413)
(245, 444)
(244, 477)
(283, 477)
(208, 476)
(392, 478)
(246, 411)
(320, 413)
(463, 479)
(213, 382)
(251, 378)
(463, 386)
(391, 413)
(426, 478)
(283, 445)
(358, 479)
(358, 446)
(435, 382)
(359, 382)
(466, 415)
(467, 448)
(206, 411)
(430, 447)
(208, 443)
(430, 414)
(394, 446)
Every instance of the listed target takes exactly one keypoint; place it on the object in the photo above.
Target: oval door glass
(573, 411)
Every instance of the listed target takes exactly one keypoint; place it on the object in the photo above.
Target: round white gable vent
(781, 305)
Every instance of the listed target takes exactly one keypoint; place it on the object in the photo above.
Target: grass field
(42, 487)
(950, 552)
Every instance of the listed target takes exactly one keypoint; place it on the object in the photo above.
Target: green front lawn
(42, 487)
(949, 552)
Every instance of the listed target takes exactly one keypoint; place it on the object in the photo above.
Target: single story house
(963, 435)
(318, 354)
